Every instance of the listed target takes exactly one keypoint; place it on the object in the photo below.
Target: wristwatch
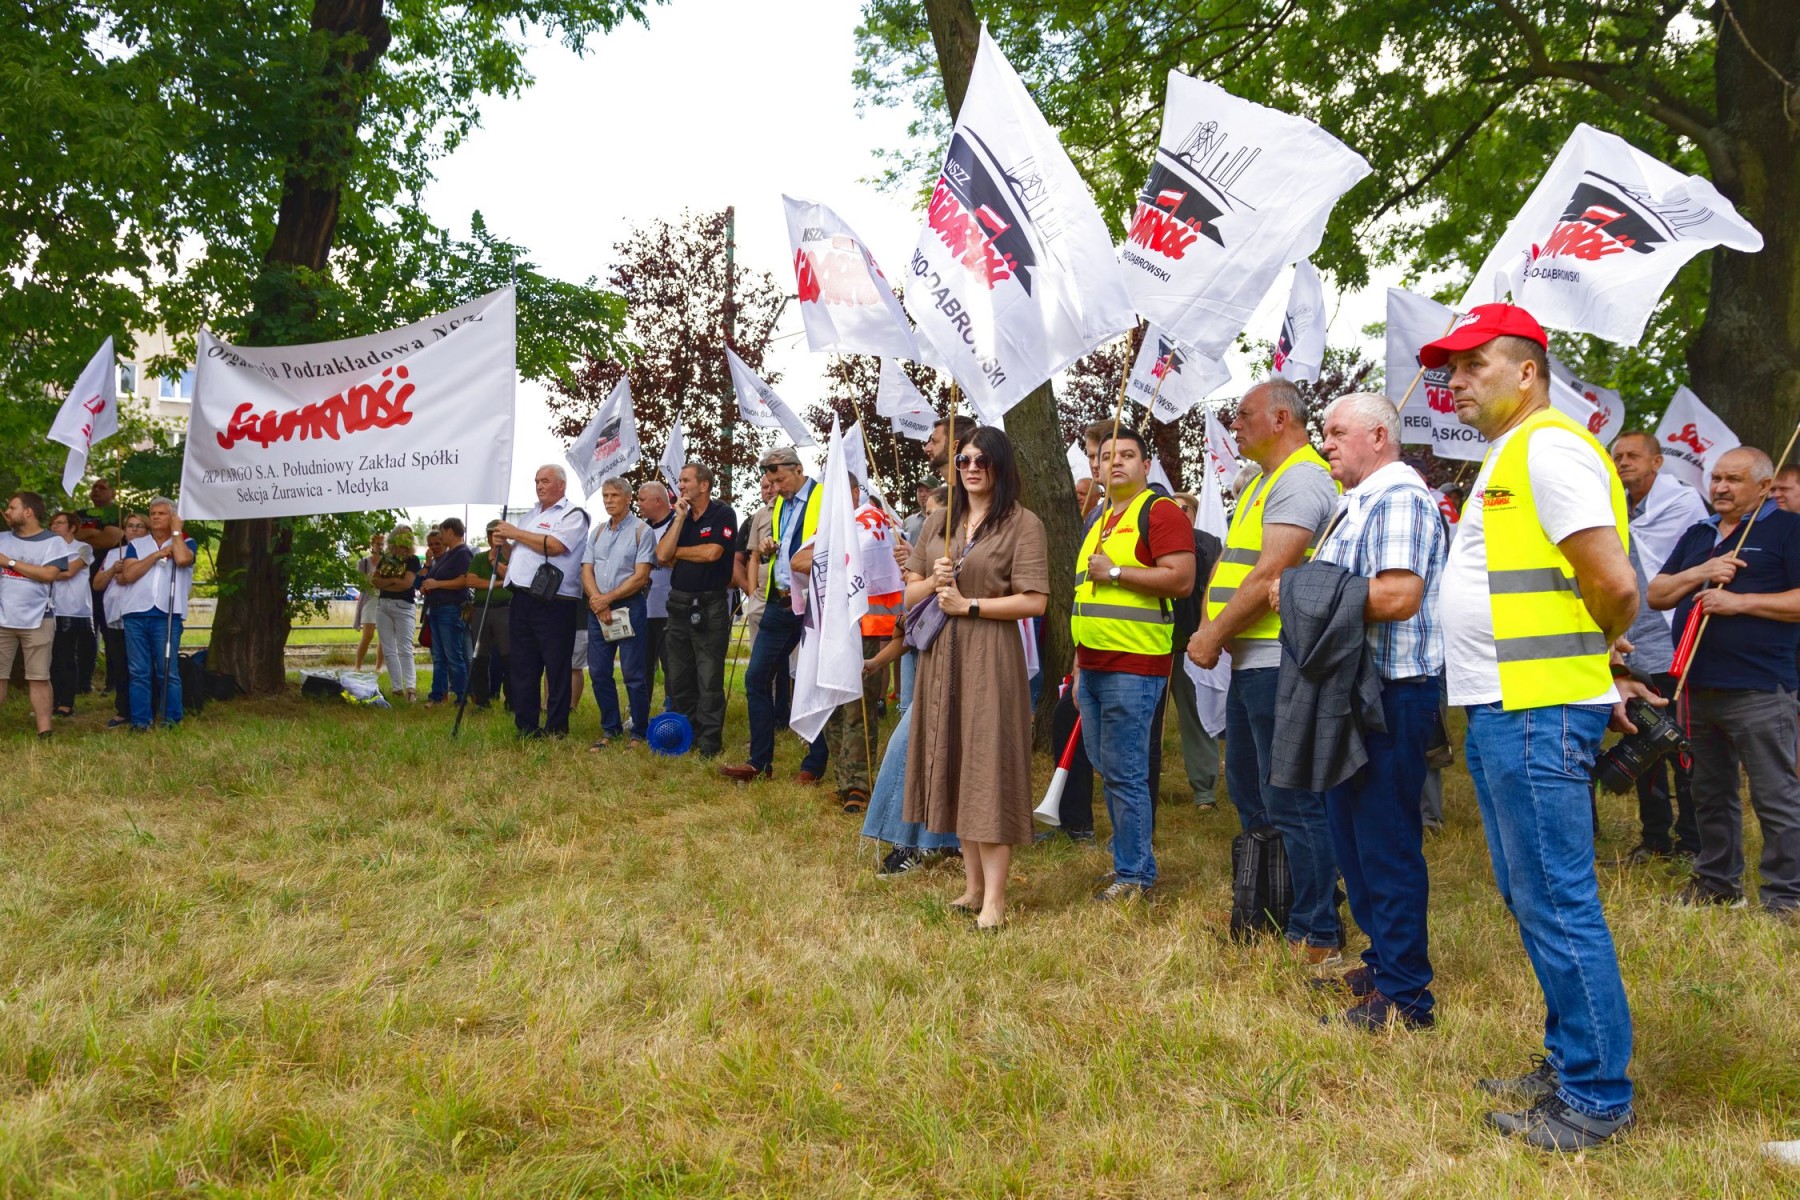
(11, 563)
(1114, 574)
(974, 608)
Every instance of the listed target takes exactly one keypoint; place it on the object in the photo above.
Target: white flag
(1427, 413)
(895, 393)
(1158, 475)
(829, 671)
(609, 444)
(1300, 348)
(1078, 461)
(1210, 686)
(1236, 192)
(1603, 409)
(916, 426)
(1169, 380)
(856, 458)
(674, 457)
(760, 406)
(1221, 461)
(89, 415)
(845, 300)
(1602, 235)
(1692, 437)
(1014, 276)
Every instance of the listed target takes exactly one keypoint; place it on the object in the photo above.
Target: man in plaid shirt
(1388, 531)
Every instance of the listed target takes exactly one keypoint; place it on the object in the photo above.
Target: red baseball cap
(1481, 325)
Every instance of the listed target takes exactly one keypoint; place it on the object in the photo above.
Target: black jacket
(1329, 692)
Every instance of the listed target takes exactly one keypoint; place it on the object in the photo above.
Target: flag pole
(950, 483)
(1420, 373)
(1706, 618)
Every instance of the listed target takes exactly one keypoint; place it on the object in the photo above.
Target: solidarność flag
(760, 406)
(609, 444)
(89, 415)
(1300, 347)
(845, 300)
(1692, 436)
(829, 670)
(1429, 415)
(1177, 378)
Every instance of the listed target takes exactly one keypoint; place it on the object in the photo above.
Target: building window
(177, 388)
(128, 379)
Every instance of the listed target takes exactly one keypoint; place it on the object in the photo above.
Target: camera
(1657, 736)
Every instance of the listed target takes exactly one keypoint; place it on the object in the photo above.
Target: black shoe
(118, 722)
(1377, 1014)
(1643, 854)
(1552, 1125)
(1358, 981)
(1695, 894)
(898, 862)
(1082, 837)
(1534, 1084)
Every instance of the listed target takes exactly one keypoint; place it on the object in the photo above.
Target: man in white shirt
(543, 627)
(72, 603)
(158, 571)
(31, 557)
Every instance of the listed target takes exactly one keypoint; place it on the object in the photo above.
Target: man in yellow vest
(1536, 590)
(1280, 511)
(796, 520)
(1136, 559)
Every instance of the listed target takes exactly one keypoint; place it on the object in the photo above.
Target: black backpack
(1262, 887)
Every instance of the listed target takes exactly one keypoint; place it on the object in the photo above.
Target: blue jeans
(886, 800)
(1378, 832)
(145, 636)
(1116, 710)
(1530, 769)
(449, 650)
(776, 638)
(909, 670)
(633, 654)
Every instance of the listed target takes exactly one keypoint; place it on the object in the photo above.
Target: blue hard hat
(669, 733)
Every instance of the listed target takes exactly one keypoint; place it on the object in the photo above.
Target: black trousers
(73, 645)
(659, 657)
(488, 669)
(543, 642)
(118, 672)
(1668, 818)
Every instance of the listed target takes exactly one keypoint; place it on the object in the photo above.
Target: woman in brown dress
(968, 769)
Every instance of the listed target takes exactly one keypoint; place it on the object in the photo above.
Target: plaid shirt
(1395, 528)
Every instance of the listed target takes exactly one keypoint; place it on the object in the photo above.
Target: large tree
(1458, 108)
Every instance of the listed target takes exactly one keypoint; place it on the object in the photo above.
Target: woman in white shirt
(72, 652)
(111, 590)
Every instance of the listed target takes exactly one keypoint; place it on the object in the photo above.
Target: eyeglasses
(974, 462)
(772, 468)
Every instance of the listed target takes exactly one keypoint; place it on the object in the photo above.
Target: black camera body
(1657, 736)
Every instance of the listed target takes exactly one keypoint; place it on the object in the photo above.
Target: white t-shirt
(151, 592)
(72, 597)
(25, 603)
(112, 600)
(1572, 491)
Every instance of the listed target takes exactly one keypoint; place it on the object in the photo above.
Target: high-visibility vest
(1110, 616)
(809, 525)
(1243, 546)
(884, 615)
(1549, 648)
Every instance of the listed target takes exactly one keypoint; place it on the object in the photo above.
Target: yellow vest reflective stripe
(1549, 649)
(1243, 545)
(809, 525)
(1108, 616)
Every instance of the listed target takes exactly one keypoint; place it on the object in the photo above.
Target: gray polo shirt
(615, 553)
(1305, 496)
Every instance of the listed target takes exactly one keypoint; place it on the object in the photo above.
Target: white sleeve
(1571, 486)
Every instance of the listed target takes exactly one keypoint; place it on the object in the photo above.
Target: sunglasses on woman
(977, 462)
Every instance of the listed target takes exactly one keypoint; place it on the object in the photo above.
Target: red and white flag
(760, 406)
(845, 300)
(828, 672)
(1427, 413)
(1169, 380)
(907, 411)
(1692, 437)
(609, 444)
(1014, 276)
(1602, 235)
(1602, 410)
(1300, 347)
(1236, 192)
(674, 457)
(89, 415)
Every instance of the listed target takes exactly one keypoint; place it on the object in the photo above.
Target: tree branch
(1443, 160)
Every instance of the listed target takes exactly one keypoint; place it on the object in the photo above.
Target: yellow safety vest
(1243, 546)
(1549, 648)
(1108, 616)
(809, 525)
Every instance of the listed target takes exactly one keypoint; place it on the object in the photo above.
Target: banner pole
(1420, 373)
(481, 625)
(1119, 407)
(950, 483)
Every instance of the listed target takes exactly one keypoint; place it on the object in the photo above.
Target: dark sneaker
(1358, 981)
(1120, 892)
(1534, 1084)
(1642, 855)
(1552, 1125)
(1082, 837)
(1695, 894)
(118, 722)
(1375, 1013)
(898, 862)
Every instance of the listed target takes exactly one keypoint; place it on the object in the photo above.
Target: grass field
(298, 949)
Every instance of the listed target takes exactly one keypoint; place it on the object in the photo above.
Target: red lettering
(1440, 399)
(365, 407)
(1578, 239)
(1157, 230)
(964, 237)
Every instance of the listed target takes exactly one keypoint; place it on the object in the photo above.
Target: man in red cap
(1537, 589)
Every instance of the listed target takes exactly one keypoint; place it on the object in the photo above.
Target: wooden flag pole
(950, 490)
(1420, 373)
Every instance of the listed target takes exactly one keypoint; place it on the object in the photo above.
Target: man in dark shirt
(697, 547)
(1741, 685)
(446, 589)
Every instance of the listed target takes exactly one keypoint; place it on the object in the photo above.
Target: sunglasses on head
(771, 468)
(978, 462)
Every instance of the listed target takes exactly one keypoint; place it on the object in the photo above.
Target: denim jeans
(1378, 833)
(449, 650)
(633, 654)
(1116, 710)
(145, 636)
(775, 641)
(1530, 769)
(909, 670)
(883, 821)
(1298, 816)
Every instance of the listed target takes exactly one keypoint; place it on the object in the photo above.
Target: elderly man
(544, 576)
(658, 512)
(159, 571)
(1662, 509)
(1388, 532)
(1536, 590)
(698, 549)
(615, 576)
(31, 560)
(1286, 502)
(1741, 685)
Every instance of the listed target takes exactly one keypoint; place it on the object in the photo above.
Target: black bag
(320, 687)
(546, 582)
(1262, 887)
(194, 691)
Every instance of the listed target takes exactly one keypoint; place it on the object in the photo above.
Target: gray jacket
(1329, 692)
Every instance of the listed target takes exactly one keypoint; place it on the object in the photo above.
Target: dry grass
(308, 950)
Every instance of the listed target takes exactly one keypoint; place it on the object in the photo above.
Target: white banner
(609, 444)
(1218, 470)
(845, 300)
(916, 426)
(1603, 409)
(1221, 459)
(1692, 437)
(1427, 413)
(419, 416)
(1300, 347)
(1602, 235)
(1014, 277)
(1169, 380)
(1078, 461)
(760, 406)
(829, 670)
(89, 415)
(856, 458)
(1236, 192)
(674, 457)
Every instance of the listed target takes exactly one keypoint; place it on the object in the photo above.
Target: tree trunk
(1033, 426)
(1745, 361)
(250, 629)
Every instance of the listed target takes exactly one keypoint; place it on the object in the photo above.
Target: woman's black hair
(1003, 467)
